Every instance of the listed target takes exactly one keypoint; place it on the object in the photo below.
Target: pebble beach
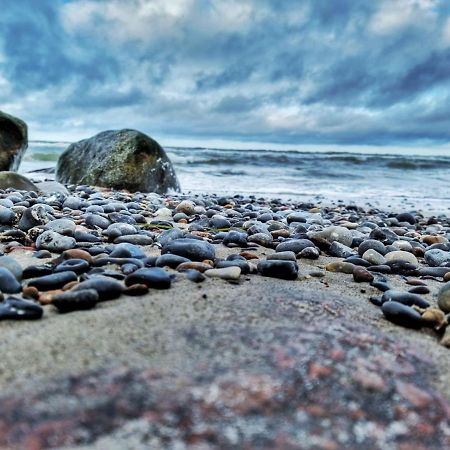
(201, 321)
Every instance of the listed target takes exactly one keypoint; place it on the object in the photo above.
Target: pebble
(444, 298)
(194, 265)
(61, 226)
(357, 261)
(373, 257)
(380, 285)
(53, 281)
(226, 273)
(7, 215)
(8, 282)
(106, 287)
(153, 277)
(75, 300)
(135, 239)
(193, 249)
(405, 298)
(401, 314)
(195, 276)
(120, 229)
(294, 245)
(371, 244)
(265, 240)
(437, 257)
(242, 264)
(12, 265)
(402, 256)
(127, 250)
(335, 233)
(14, 308)
(309, 253)
(185, 206)
(339, 266)
(362, 275)
(341, 250)
(419, 290)
(283, 256)
(78, 266)
(287, 270)
(54, 242)
(172, 261)
(235, 238)
(435, 318)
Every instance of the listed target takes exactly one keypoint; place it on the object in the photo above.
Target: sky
(230, 72)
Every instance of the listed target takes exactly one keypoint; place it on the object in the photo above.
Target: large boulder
(13, 141)
(118, 159)
(13, 180)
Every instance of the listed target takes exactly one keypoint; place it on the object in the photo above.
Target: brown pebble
(316, 274)
(182, 221)
(201, 267)
(339, 266)
(415, 282)
(445, 341)
(435, 318)
(430, 240)
(419, 290)
(136, 289)
(249, 255)
(30, 292)
(361, 275)
(209, 262)
(76, 253)
(280, 233)
(70, 285)
(447, 276)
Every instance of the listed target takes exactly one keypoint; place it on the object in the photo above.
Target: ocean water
(384, 179)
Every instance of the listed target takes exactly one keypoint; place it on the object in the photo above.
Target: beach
(254, 359)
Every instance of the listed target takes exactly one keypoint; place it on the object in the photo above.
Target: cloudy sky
(359, 72)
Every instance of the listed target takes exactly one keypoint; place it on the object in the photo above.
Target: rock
(123, 159)
(51, 187)
(17, 309)
(53, 281)
(287, 270)
(294, 245)
(75, 300)
(405, 298)
(65, 227)
(402, 256)
(136, 290)
(36, 271)
(54, 242)
(380, 285)
(95, 220)
(226, 273)
(7, 216)
(284, 256)
(198, 266)
(263, 239)
(136, 239)
(444, 298)
(35, 216)
(385, 235)
(195, 276)
(153, 277)
(361, 275)
(13, 142)
(12, 265)
(421, 290)
(406, 217)
(402, 315)
(78, 266)
(372, 244)
(435, 318)
(235, 238)
(127, 250)
(341, 250)
(8, 282)
(433, 271)
(172, 261)
(309, 253)
(16, 181)
(120, 229)
(436, 257)
(106, 287)
(335, 233)
(340, 266)
(193, 249)
(242, 264)
(373, 257)
(186, 206)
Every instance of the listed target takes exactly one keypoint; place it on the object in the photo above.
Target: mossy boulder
(13, 141)
(13, 180)
(118, 159)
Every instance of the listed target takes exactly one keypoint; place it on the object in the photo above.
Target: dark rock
(361, 275)
(17, 309)
(402, 315)
(341, 250)
(433, 271)
(405, 298)
(243, 265)
(236, 238)
(309, 253)
(106, 287)
(422, 290)
(194, 275)
(75, 300)
(153, 277)
(136, 290)
(287, 270)
(385, 235)
(382, 268)
(53, 281)
(372, 244)
(355, 260)
(169, 260)
(13, 143)
(193, 249)
(124, 159)
(406, 217)
(135, 239)
(76, 265)
(95, 220)
(8, 282)
(437, 257)
(380, 285)
(36, 271)
(294, 245)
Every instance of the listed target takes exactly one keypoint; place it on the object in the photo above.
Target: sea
(402, 179)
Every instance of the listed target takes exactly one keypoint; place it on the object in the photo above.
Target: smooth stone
(373, 257)
(401, 314)
(78, 266)
(75, 300)
(433, 271)
(283, 256)
(8, 282)
(404, 297)
(12, 265)
(53, 281)
(153, 277)
(94, 220)
(84, 236)
(309, 253)
(127, 250)
(357, 261)
(406, 217)
(294, 245)
(193, 249)
(51, 187)
(65, 227)
(340, 250)
(421, 290)
(13, 180)
(101, 261)
(242, 264)
(444, 298)
(106, 287)
(54, 242)
(381, 268)
(7, 216)
(236, 238)
(287, 270)
(120, 229)
(380, 285)
(402, 267)
(42, 254)
(226, 273)
(36, 271)
(172, 261)
(169, 235)
(136, 239)
(17, 309)
(194, 265)
(136, 290)
(35, 216)
(73, 202)
(76, 253)
(383, 234)
(372, 244)
(403, 246)
(361, 275)
(339, 266)
(336, 233)
(436, 257)
(186, 206)
(402, 256)
(262, 239)
(195, 276)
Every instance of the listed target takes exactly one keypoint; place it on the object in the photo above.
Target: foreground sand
(188, 341)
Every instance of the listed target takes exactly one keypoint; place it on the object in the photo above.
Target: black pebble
(75, 300)
(17, 309)
(54, 281)
(402, 315)
(287, 270)
(153, 277)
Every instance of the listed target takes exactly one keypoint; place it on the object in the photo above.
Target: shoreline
(250, 333)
